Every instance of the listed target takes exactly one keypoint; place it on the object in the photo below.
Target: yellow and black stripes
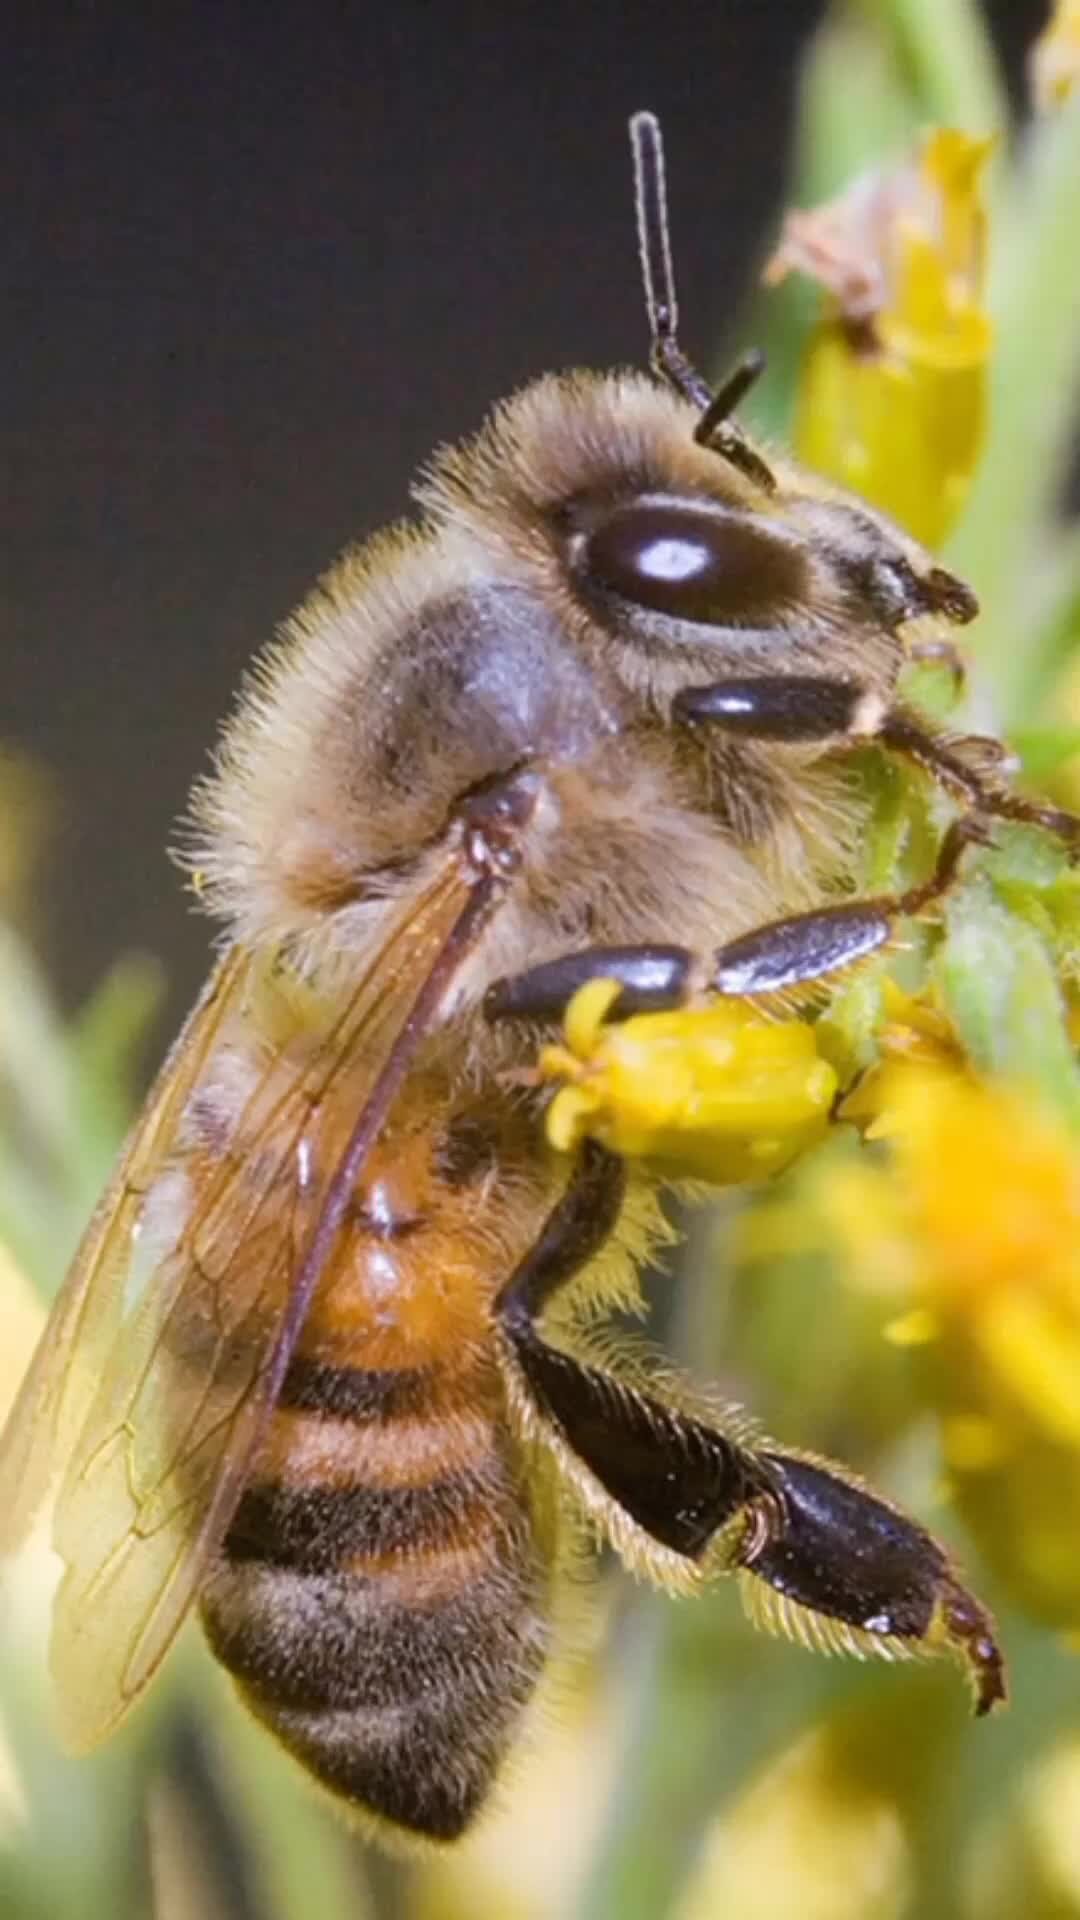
(378, 1596)
(316, 1530)
(354, 1393)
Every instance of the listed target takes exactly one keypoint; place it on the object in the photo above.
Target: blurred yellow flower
(819, 1834)
(915, 1033)
(1029, 1860)
(1054, 61)
(719, 1093)
(892, 398)
(973, 1214)
(991, 1187)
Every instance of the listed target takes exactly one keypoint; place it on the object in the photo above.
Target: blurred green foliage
(701, 1770)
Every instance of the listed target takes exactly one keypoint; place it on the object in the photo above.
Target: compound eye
(717, 568)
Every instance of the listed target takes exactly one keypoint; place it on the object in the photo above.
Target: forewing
(203, 1316)
(83, 1325)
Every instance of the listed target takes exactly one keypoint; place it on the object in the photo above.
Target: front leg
(810, 1538)
(795, 708)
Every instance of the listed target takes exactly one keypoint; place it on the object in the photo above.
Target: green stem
(704, 1701)
(1035, 396)
(707, 1704)
(842, 130)
(944, 55)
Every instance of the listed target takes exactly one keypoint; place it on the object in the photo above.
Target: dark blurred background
(262, 259)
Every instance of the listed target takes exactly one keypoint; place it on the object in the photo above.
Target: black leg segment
(778, 958)
(679, 1480)
(837, 1549)
(652, 980)
(788, 707)
(809, 1534)
(805, 947)
(576, 1228)
(944, 761)
(803, 708)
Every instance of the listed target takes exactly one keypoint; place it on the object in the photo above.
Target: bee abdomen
(317, 1530)
(389, 1631)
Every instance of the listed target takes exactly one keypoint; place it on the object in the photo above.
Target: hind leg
(809, 1535)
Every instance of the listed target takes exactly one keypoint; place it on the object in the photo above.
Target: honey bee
(321, 1368)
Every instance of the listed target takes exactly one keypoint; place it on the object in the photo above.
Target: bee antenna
(714, 429)
(731, 392)
(657, 272)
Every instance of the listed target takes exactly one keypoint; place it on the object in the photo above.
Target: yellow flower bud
(719, 1092)
(892, 399)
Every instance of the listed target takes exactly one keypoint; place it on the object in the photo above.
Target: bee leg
(676, 1478)
(946, 762)
(817, 1541)
(824, 1543)
(783, 954)
(786, 707)
(795, 708)
(805, 947)
(941, 653)
(653, 979)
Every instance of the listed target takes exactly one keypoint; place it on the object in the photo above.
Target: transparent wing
(56, 1393)
(166, 1350)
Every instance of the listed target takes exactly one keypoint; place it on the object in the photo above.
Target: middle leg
(788, 953)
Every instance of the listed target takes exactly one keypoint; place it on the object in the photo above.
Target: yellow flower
(1026, 1859)
(959, 1223)
(719, 1093)
(1054, 61)
(916, 1033)
(993, 1187)
(981, 1187)
(892, 399)
(819, 1833)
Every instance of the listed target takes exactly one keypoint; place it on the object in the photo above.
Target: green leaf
(1044, 750)
(1002, 989)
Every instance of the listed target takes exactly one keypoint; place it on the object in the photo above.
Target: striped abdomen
(378, 1596)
